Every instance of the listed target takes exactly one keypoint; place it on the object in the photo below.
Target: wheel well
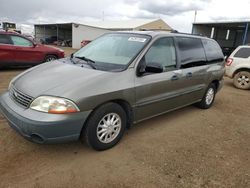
(241, 69)
(51, 54)
(127, 108)
(216, 83)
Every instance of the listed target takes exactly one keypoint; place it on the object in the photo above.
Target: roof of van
(166, 33)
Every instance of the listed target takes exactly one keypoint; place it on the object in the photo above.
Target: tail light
(229, 61)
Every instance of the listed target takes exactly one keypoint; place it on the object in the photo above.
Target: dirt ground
(189, 147)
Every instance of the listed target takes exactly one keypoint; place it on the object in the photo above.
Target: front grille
(20, 97)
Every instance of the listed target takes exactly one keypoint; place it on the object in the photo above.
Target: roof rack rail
(177, 32)
(145, 29)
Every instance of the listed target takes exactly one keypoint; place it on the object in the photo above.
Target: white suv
(238, 67)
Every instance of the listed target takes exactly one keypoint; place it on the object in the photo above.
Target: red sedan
(18, 50)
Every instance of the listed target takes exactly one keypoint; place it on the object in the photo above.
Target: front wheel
(50, 58)
(105, 127)
(208, 98)
(242, 80)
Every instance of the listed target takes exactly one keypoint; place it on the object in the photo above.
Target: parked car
(18, 50)
(50, 40)
(116, 80)
(66, 43)
(238, 67)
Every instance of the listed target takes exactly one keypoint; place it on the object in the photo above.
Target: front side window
(191, 52)
(163, 52)
(20, 41)
(113, 51)
(243, 53)
(4, 39)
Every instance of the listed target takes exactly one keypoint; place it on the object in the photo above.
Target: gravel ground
(189, 147)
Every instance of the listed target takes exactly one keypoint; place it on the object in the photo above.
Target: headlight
(54, 105)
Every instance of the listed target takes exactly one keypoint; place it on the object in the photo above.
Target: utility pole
(102, 15)
(195, 15)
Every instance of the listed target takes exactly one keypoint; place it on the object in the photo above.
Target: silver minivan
(118, 79)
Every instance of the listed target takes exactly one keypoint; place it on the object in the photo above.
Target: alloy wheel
(210, 96)
(109, 128)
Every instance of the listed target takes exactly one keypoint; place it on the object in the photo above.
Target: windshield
(113, 52)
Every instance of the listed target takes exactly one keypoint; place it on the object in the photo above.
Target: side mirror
(34, 44)
(154, 68)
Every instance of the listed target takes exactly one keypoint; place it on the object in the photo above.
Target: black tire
(89, 134)
(50, 58)
(242, 80)
(204, 103)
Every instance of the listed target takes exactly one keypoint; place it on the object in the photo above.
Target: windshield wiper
(71, 59)
(90, 62)
(85, 59)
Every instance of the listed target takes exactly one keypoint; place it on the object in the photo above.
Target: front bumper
(221, 83)
(229, 72)
(42, 127)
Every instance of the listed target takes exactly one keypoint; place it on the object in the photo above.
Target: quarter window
(212, 50)
(163, 52)
(243, 53)
(191, 52)
(20, 41)
(4, 39)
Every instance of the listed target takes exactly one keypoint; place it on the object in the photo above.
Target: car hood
(58, 79)
(53, 48)
(48, 48)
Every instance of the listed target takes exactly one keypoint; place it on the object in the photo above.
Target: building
(68, 31)
(91, 30)
(131, 25)
(228, 34)
(7, 26)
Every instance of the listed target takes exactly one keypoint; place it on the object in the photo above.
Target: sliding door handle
(189, 74)
(175, 77)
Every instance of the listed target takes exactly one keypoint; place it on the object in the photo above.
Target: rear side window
(243, 53)
(212, 50)
(191, 52)
(4, 39)
(20, 41)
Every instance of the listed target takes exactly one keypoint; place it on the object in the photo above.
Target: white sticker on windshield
(136, 39)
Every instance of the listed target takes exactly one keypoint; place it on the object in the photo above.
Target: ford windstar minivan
(118, 79)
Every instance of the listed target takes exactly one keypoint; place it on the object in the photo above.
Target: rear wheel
(50, 58)
(105, 127)
(242, 80)
(208, 98)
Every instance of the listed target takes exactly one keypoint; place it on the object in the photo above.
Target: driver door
(157, 93)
